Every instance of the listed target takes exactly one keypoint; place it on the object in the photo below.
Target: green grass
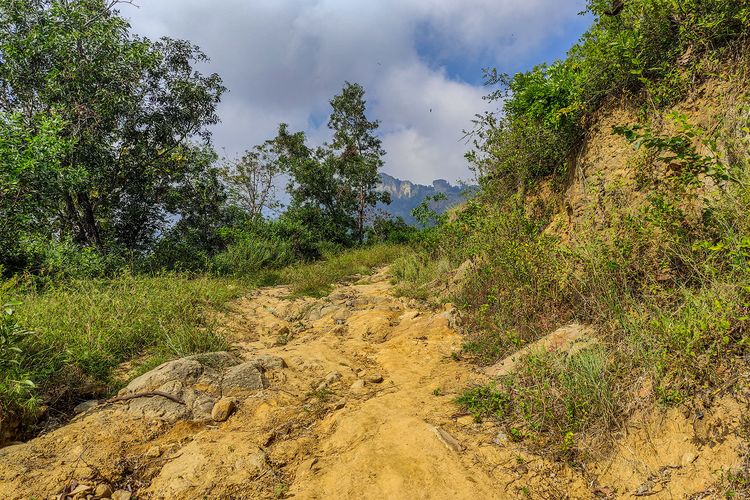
(416, 274)
(552, 396)
(317, 279)
(83, 330)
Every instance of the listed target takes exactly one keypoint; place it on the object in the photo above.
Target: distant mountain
(405, 195)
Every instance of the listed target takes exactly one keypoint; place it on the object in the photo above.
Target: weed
(485, 402)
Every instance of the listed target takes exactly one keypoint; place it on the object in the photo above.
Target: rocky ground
(349, 396)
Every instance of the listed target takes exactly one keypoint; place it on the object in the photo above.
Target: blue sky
(420, 62)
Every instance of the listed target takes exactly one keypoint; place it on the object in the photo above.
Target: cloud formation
(419, 61)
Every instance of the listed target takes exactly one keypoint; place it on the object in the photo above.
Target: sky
(420, 62)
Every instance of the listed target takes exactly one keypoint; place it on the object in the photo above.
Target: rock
(153, 452)
(80, 491)
(85, 406)
(245, 377)
(501, 439)
(306, 467)
(466, 420)
(449, 441)
(329, 310)
(358, 385)
(339, 404)
(645, 489)
(333, 377)
(122, 495)
(185, 371)
(375, 378)
(269, 362)
(223, 409)
(409, 315)
(103, 491)
(568, 339)
(217, 360)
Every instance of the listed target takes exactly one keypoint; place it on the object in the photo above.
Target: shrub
(17, 390)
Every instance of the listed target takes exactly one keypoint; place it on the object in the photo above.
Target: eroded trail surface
(349, 396)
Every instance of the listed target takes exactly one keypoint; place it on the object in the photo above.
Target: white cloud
(284, 59)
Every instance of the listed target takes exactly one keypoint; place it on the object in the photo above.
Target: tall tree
(132, 111)
(252, 178)
(358, 151)
(320, 197)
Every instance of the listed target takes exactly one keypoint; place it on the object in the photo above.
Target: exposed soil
(363, 409)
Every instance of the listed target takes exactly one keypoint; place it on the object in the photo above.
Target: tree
(30, 171)
(252, 179)
(131, 109)
(358, 151)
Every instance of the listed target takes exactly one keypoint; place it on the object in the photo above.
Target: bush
(17, 390)
(249, 257)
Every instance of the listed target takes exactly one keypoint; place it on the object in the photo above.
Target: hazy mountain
(406, 195)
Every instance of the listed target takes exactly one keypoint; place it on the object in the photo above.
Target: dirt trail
(362, 409)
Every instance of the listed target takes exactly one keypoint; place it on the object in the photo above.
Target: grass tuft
(317, 279)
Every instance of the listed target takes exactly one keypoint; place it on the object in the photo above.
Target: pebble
(332, 377)
(375, 378)
(103, 491)
(153, 452)
(122, 495)
(501, 438)
(358, 385)
(223, 409)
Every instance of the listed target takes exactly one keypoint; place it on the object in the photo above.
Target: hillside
(406, 196)
(577, 328)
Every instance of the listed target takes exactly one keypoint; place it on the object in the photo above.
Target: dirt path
(360, 407)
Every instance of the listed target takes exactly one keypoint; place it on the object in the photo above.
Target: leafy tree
(359, 151)
(252, 179)
(30, 172)
(132, 110)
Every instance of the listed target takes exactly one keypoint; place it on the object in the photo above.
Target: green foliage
(554, 395)
(123, 107)
(17, 390)
(485, 401)
(249, 256)
(391, 230)
(679, 152)
(654, 49)
(30, 169)
(416, 274)
(333, 188)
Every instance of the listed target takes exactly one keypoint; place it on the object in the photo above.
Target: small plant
(485, 402)
(17, 391)
(516, 435)
(322, 394)
(437, 392)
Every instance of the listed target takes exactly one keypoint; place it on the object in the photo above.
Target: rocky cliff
(406, 195)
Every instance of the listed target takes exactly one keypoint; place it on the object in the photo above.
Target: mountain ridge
(407, 195)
